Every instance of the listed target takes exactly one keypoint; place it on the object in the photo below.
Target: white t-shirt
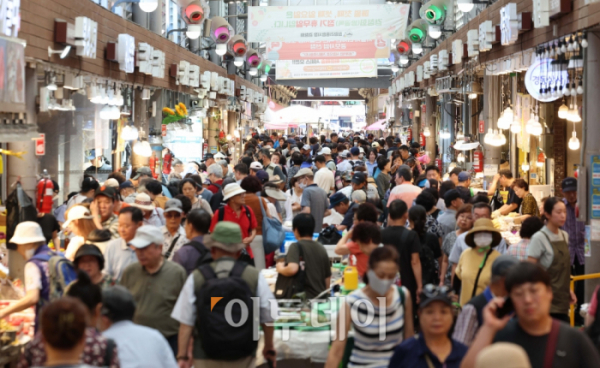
(291, 199)
(74, 245)
(33, 277)
(324, 179)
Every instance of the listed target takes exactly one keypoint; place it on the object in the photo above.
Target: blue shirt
(118, 255)
(411, 353)
(140, 346)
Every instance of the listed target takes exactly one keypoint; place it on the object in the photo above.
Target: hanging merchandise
(171, 116)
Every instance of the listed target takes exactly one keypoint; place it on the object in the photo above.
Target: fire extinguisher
(45, 191)
(154, 164)
(423, 141)
(478, 160)
(167, 162)
(438, 162)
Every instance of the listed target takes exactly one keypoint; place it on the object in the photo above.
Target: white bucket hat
(143, 202)
(275, 194)
(325, 151)
(77, 213)
(231, 190)
(28, 232)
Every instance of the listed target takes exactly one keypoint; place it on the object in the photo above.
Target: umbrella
(379, 125)
(297, 114)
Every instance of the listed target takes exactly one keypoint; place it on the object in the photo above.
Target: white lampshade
(487, 139)
(417, 48)
(148, 5)
(563, 111)
(434, 31)
(105, 112)
(515, 127)
(534, 127)
(253, 71)
(238, 61)
(403, 59)
(143, 149)
(525, 166)
(503, 121)
(574, 142)
(221, 49)
(395, 68)
(509, 114)
(193, 31)
(465, 6)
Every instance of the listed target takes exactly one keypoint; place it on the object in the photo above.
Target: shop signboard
(350, 49)
(10, 19)
(40, 145)
(86, 37)
(327, 22)
(326, 68)
(595, 187)
(543, 74)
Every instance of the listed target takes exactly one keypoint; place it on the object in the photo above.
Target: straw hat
(77, 213)
(28, 232)
(483, 225)
(143, 202)
(502, 354)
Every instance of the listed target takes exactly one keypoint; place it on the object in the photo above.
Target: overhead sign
(328, 92)
(350, 49)
(86, 37)
(325, 68)
(126, 53)
(327, 23)
(542, 74)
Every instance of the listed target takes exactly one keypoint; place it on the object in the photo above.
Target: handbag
(329, 235)
(287, 287)
(272, 231)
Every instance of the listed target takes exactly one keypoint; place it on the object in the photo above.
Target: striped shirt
(370, 351)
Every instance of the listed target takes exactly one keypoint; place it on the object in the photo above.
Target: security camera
(237, 46)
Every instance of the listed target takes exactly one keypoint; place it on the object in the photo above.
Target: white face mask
(380, 286)
(29, 253)
(482, 240)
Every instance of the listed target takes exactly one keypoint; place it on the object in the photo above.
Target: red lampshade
(195, 13)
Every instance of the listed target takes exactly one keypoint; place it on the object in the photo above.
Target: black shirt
(465, 194)
(406, 245)
(430, 240)
(349, 216)
(48, 224)
(573, 348)
(513, 198)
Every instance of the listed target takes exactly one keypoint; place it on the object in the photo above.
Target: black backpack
(429, 270)
(205, 256)
(219, 339)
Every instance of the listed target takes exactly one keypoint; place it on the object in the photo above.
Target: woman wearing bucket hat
(474, 267)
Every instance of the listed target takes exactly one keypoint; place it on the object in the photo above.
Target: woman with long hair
(294, 198)
(395, 315)
(371, 162)
(80, 222)
(430, 246)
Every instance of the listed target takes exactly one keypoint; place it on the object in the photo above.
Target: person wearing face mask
(31, 242)
(474, 267)
(369, 349)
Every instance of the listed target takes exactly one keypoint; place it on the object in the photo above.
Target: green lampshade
(267, 69)
(416, 34)
(434, 13)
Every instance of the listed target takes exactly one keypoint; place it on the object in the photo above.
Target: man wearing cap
(127, 191)
(326, 152)
(152, 215)
(236, 211)
(89, 258)
(269, 167)
(139, 346)
(89, 186)
(225, 244)
(255, 167)
(102, 209)
(576, 231)
(355, 159)
(342, 205)
(463, 186)
(404, 190)
(306, 151)
(453, 202)
(155, 283)
(118, 254)
(31, 245)
(344, 165)
(314, 199)
(359, 182)
(471, 317)
(208, 159)
(324, 177)
(173, 232)
(140, 173)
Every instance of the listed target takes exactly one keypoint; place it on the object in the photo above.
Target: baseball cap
(344, 154)
(262, 175)
(306, 147)
(503, 264)
(126, 184)
(325, 151)
(207, 157)
(173, 205)
(92, 154)
(256, 165)
(108, 192)
(397, 140)
(336, 199)
(142, 171)
(359, 178)
(354, 151)
(569, 184)
(375, 145)
(503, 354)
(295, 149)
(146, 235)
(463, 176)
(77, 213)
(304, 172)
(112, 183)
(432, 293)
(362, 150)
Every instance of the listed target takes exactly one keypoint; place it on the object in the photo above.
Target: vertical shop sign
(40, 145)
(481, 126)
(86, 37)
(595, 187)
(10, 18)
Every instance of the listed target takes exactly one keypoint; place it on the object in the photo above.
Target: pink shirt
(406, 192)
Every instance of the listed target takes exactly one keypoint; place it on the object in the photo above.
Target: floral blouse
(529, 206)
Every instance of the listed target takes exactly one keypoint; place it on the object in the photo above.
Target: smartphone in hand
(507, 308)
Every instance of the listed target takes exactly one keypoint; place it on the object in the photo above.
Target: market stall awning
(379, 125)
(280, 125)
(297, 114)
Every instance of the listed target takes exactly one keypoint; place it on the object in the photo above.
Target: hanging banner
(327, 68)
(371, 49)
(327, 23)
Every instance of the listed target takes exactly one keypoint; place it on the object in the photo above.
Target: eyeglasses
(173, 214)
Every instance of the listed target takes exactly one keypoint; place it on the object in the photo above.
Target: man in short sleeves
(314, 199)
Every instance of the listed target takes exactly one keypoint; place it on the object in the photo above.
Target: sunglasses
(431, 291)
(173, 214)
